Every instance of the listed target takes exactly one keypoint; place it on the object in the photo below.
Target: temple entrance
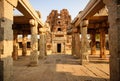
(59, 48)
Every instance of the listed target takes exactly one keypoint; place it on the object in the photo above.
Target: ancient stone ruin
(58, 41)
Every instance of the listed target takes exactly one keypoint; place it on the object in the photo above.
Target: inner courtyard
(85, 48)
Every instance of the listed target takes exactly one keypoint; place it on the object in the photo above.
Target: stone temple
(58, 41)
(66, 49)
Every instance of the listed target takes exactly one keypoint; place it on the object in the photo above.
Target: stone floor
(62, 68)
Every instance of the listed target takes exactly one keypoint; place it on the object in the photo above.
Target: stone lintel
(13, 2)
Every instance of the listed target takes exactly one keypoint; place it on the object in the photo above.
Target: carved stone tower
(59, 23)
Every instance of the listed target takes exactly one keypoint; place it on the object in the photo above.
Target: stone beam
(27, 10)
(93, 7)
(21, 20)
(13, 2)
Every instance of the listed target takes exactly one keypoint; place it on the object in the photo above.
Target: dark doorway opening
(58, 48)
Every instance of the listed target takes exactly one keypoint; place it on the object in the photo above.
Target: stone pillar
(6, 41)
(42, 44)
(73, 44)
(114, 38)
(102, 43)
(93, 42)
(34, 43)
(24, 44)
(76, 42)
(84, 43)
(15, 45)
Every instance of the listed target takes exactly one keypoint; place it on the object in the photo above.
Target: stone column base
(6, 69)
(41, 56)
(34, 58)
(85, 59)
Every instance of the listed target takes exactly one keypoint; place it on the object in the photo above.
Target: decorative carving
(32, 22)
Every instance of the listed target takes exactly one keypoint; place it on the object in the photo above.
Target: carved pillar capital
(84, 23)
(33, 22)
(74, 30)
(42, 30)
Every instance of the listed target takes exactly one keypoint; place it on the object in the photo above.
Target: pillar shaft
(84, 39)
(24, 44)
(93, 43)
(15, 45)
(42, 46)
(102, 43)
(84, 43)
(114, 38)
(77, 45)
(6, 41)
(34, 43)
(73, 44)
(42, 51)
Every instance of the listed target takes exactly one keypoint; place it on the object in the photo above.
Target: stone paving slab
(61, 68)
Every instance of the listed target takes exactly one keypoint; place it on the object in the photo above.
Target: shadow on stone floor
(53, 68)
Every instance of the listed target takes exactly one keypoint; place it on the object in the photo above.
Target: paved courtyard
(62, 68)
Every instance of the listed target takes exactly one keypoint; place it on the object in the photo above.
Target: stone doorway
(59, 48)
